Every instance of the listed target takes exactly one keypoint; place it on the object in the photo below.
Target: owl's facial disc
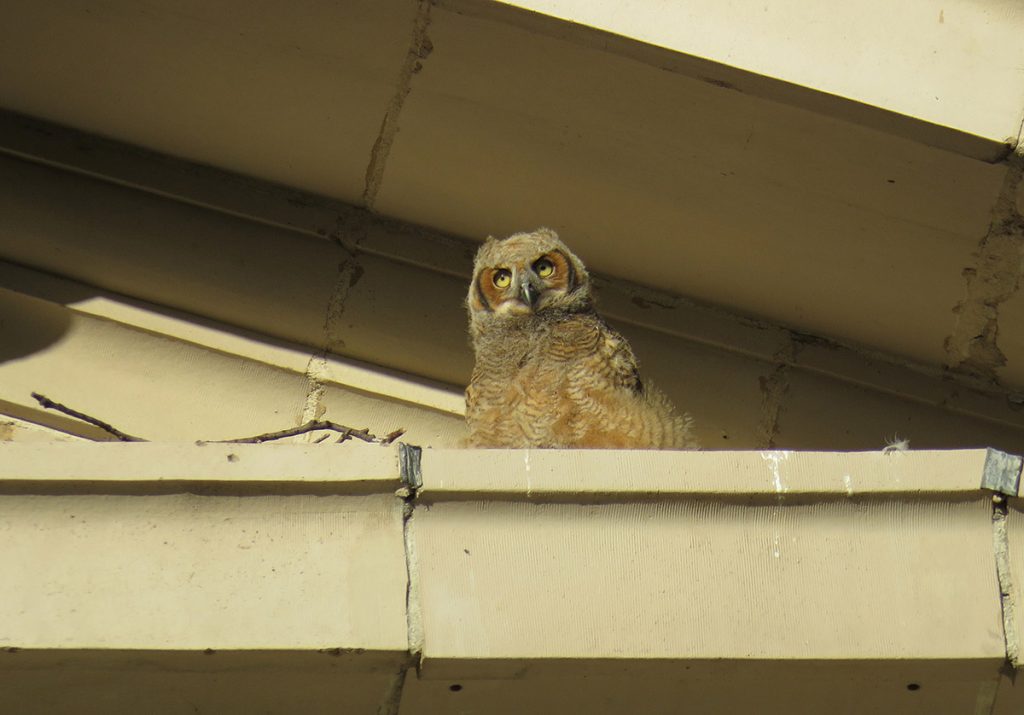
(525, 284)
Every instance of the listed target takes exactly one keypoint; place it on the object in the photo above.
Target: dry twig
(49, 404)
(314, 426)
(311, 426)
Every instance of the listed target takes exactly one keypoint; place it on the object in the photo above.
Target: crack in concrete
(994, 278)
(410, 468)
(414, 616)
(420, 48)
(1007, 590)
(317, 372)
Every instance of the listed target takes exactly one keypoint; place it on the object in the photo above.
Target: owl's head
(527, 274)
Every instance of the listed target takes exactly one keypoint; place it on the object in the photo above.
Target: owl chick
(549, 371)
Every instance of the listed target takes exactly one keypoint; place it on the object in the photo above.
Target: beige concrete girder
(327, 298)
(810, 191)
(176, 576)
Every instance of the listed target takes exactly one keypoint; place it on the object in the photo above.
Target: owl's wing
(472, 391)
(617, 354)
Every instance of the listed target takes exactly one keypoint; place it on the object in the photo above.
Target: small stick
(392, 436)
(311, 426)
(49, 404)
(314, 426)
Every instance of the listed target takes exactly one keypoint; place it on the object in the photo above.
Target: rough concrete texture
(994, 277)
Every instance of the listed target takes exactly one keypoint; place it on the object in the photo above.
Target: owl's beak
(529, 292)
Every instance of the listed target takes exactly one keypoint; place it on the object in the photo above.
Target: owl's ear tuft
(482, 250)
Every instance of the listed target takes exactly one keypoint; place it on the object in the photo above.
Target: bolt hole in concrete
(455, 688)
(232, 457)
(913, 686)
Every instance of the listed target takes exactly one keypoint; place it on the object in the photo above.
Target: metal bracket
(1001, 472)
(409, 457)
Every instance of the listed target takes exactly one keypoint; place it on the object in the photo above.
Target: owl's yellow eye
(502, 278)
(544, 268)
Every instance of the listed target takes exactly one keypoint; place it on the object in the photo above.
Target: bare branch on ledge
(49, 404)
(315, 426)
(346, 433)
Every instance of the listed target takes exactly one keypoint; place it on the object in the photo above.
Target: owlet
(549, 371)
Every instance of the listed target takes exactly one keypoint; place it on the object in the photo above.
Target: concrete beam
(176, 576)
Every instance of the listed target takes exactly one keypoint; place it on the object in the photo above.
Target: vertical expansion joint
(409, 464)
(1002, 472)
(409, 458)
(1004, 574)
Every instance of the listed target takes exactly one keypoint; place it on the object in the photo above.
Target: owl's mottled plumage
(549, 371)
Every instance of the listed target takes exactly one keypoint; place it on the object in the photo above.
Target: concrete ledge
(769, 581)
(162, 567)
(351, 466)
(770, 474)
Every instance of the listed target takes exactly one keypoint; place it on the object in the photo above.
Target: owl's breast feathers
(556, 346)
(564, 381)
